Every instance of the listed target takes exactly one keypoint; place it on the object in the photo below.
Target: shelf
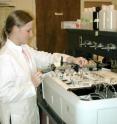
(100, 52)
(77, 37)
(94, 33)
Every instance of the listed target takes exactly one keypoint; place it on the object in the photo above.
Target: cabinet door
(49, 14)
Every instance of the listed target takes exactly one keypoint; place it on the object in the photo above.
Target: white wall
(28, 5)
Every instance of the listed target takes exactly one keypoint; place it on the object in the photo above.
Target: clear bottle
(87, 18)
(84, 18)
(90, 17)
(111, 19)
(102, 18)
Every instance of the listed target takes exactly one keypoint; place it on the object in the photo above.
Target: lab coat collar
(16, 52)
(13, 46)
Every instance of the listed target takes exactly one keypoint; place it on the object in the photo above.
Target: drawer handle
(58, 14)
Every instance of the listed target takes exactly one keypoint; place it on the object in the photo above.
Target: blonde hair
(16, 18)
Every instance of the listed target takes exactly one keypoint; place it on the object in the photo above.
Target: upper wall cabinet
(50, 37)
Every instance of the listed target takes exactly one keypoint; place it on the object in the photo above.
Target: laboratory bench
(47, 115)
(69, 104)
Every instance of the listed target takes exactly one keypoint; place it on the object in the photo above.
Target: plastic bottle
(102, 18)
(87, 18)
(111, 19)
(96, 19)
(90, 17)
(84, 18)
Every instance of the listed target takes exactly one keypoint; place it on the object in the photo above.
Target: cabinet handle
(58, 14)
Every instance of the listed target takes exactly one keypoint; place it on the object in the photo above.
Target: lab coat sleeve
(44, 59)
(9, 90)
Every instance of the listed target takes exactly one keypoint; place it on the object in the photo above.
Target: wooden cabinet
(49, 14)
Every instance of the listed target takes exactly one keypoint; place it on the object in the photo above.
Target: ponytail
(3, 38)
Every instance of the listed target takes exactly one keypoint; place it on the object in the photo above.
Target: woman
(18, 70)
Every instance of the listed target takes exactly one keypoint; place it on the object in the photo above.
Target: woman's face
(21, 35)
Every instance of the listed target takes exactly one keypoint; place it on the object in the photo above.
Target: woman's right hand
(36, 78)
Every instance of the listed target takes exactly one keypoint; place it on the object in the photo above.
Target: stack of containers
(108, 18)
(102, 18)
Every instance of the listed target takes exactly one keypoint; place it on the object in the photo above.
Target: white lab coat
(17, 92)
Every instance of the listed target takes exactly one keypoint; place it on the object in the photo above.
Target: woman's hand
(78, 60)
(36, 78)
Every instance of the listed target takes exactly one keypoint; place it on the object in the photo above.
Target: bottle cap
(98, 9)
(104, 7)
(111, 7)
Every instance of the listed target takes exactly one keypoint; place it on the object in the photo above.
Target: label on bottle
(96, 20)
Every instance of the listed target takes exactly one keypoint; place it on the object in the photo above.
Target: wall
(115, 3)
(28, 5)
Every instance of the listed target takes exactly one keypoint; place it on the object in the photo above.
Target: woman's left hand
(77, 60)
(80, 61)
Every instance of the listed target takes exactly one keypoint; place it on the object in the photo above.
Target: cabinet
(97, 42)
(49, 15)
